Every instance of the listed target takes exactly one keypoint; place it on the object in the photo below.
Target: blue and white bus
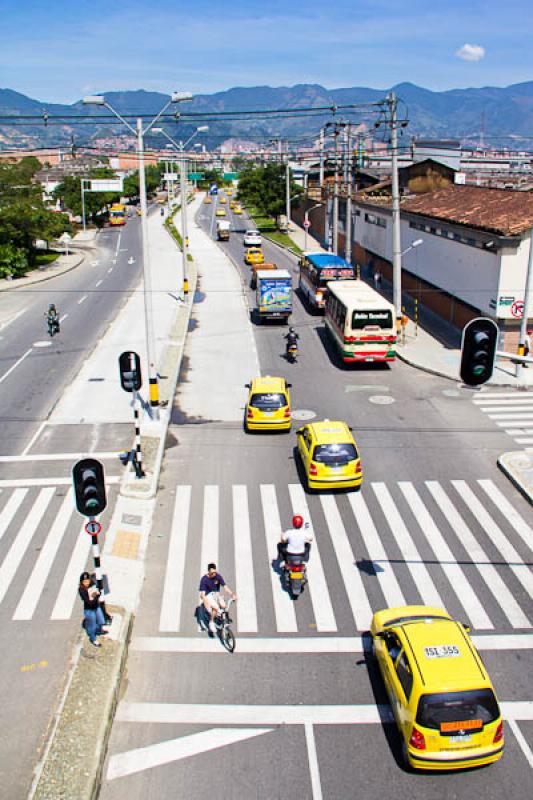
(319, 269)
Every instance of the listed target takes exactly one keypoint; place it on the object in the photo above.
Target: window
(372, 219)
(268, 402)
(434, 709)
(377, 318)
(405, 676)
(334, 453)
(393, 645)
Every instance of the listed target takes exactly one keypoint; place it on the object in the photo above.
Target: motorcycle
(294, 575)
(292, 353)
(53, 326)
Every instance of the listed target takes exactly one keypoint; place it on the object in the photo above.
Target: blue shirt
(214, 584)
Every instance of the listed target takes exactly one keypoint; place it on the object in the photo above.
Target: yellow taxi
(232, 204)
(220, 212)
(222, 199)
(139, 212)
(329, 455)
(254, 255)
(269, 404)
(207, 199)
(237, 209)
(442, 698)
(229, 192)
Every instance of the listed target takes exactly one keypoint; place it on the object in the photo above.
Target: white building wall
(513, 279)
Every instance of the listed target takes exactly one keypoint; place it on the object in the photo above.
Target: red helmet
(297, 521)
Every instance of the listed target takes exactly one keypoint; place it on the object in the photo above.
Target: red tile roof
(501, 211)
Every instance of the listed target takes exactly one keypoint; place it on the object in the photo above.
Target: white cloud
(471, 52)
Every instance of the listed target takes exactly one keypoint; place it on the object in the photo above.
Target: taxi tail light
(249, 413)
(358, 468)
(498, 736)
(287, 412)
(313, 469)
(417, 740)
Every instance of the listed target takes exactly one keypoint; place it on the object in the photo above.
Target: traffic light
(130, 371)
(478, 351)
(89, 487)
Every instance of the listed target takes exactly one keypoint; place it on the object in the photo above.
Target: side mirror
(300, 432)
(288, 385)
(466, 627)
(246, 385)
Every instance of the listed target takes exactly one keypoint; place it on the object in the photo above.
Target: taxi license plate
(460, 739)
(268, 413)
(335, 469)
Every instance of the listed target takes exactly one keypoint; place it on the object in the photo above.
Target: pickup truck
(273, 295)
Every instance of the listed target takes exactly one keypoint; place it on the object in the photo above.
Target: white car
(252, 239)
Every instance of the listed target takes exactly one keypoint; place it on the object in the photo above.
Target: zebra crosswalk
(512, 411)
(460, 545)
(43, 550)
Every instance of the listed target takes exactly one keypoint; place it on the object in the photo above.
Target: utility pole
(396, 242)
(184, 233)
(321, 147)
(288, 189)
(335, 240)
(348, 183)
(527, 296)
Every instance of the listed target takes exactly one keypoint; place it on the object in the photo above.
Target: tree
(153, 174)
(69, 192)
(13, 261)
(265, 188)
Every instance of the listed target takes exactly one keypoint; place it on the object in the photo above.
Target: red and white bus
(360, 322)
(316, 270)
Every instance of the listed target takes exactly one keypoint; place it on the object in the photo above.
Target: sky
(58, 51)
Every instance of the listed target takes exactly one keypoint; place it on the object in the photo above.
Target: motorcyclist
(295, 541)
(292, 339)
(52, 317)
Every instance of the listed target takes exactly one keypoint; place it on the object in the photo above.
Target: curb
(429, 370)
(42, 277)
(514, 472)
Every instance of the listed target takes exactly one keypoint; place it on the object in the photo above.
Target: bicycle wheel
(227, 638)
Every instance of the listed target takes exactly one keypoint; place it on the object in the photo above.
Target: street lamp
(307, 223)
(139, 132)
(180, 146)
(412, 246)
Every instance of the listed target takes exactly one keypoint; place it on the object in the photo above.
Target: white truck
(223, 229)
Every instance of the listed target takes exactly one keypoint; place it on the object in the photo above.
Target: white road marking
(521, 740)
(283, 605)
(524, 441)
(155, 755)
(63, 318)
(386, 578)
(495, 410)
(98, 283)
(500, 541)
(475, 612)
(479, 558)
(209, 528)
(7, 484)
(54, 456)
(118, 243)
(244, 562)
(304, 644)
(33, 439)
(36, 582)
(169, 620)
(503, 420)
(110, 270)
(318, 588)
(357, 597)
(213, 714)
(69, 588)
(519, 431)
(413, 559)
(314, 771)
(7, 322)
(484, 396)
(22, 540)
(82, 299)
(515, 400)
(10, 509)
(508, 510)
(20, 360)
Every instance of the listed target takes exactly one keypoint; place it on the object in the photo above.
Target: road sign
(231, 176)
(196, 176)
(517, 309)
(213, 189)
(107, 185)
(93, 528)
(307, 224)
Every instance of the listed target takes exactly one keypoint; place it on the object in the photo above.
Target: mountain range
(504, 115)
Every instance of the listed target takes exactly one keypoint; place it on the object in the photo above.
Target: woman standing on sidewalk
(93, 614)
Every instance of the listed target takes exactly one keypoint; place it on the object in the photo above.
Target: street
(300, 706)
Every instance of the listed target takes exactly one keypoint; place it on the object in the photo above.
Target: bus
(360, 322)
(316, 270)
(117, 214)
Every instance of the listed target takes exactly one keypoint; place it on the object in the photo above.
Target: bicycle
(224, 632)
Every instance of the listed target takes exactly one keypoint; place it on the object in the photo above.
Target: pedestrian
(92, 613)
(377, 279)
(527, 346)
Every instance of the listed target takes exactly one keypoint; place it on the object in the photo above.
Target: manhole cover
(451, 393)
(303, 413)
(381, 399)
(42, 344)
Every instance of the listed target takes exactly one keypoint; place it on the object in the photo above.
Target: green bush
(13, 261)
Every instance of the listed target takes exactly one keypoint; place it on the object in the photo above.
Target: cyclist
(211, 585)
(296, 540)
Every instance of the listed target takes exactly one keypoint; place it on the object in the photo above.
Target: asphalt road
(42, 546)
(299, 709)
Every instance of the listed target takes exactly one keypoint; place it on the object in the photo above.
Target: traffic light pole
(525, 316)
(139, 473)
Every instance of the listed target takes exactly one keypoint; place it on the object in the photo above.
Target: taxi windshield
(446, 707)
(268, 402)
(337, 453)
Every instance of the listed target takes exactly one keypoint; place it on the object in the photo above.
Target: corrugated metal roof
(501, 211)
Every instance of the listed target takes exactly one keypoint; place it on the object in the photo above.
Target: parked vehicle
(274, 295)
(223, 229)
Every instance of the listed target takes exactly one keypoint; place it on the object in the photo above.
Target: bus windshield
(378, 319)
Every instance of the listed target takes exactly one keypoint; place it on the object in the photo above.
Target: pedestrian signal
(89, 487)
(478, 351)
